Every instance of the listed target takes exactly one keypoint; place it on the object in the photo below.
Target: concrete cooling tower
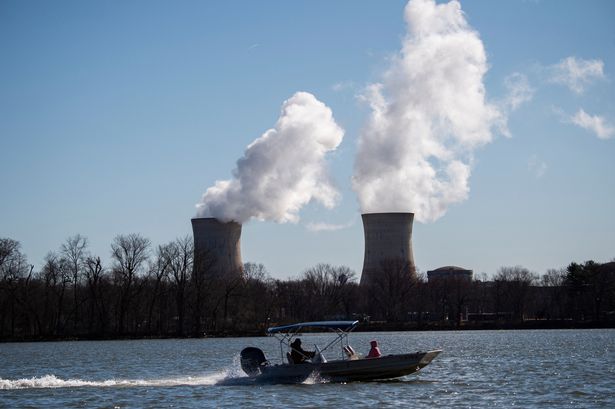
(388, 239)
(217, 250)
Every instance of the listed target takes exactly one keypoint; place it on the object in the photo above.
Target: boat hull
(385, 367)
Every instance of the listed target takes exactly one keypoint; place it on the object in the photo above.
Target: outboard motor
(252, 359)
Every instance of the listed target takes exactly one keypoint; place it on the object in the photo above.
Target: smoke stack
(217, 250)
(388, 239)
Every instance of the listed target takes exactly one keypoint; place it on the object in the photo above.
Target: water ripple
(527, 369)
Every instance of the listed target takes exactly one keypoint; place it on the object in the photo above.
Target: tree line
(159, 291)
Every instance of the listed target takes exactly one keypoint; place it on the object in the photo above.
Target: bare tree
(56, 276)
(230, 287)
(257, 295)
(391, 288)
(513, 285)
(327, 286)
(254, 271)
(158, 271)
(204, 262)
(74, 250)
(553, 303)
(9, 249)
(13, 263)
(95, 276)
(129, 253)
(180, 255)
(14, 269)
(291, 301)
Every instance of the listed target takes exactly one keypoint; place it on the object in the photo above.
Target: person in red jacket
(374, 352)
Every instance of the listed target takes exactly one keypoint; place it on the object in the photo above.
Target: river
(538, 368)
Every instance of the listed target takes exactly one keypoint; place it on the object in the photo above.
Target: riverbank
(364, 327)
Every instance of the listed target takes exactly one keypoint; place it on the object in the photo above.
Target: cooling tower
(217, 251)
(388, 242)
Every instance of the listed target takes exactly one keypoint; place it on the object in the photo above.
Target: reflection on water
(564, 368)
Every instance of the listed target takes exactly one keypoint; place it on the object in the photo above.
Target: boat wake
(222, 378)
(52, 381)
(231, 376)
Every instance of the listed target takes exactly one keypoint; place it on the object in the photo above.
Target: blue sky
(115, 117)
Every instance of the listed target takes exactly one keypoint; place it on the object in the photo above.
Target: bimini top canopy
(341, 325)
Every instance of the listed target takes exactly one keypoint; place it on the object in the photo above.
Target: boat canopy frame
(285, 333)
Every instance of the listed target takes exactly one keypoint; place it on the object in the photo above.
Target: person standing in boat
(374, 352)
(297, 354)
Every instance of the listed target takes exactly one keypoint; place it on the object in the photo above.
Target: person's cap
(373, 343)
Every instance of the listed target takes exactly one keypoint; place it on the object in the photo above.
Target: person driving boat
(297, 354)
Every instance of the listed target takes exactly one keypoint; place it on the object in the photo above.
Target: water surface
(551, 368)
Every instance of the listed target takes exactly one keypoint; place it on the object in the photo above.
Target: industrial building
(217, 247)
(388, 238)
(449, 272)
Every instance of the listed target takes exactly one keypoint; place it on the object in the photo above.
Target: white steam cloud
(428, 115)
(282, 170)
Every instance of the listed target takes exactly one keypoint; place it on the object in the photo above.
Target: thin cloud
(519, 91)
(537, 166)
(576, 73)
(322, 226)
(343, 86)
(593, 123)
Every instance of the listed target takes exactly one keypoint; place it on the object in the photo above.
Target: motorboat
(348, 365)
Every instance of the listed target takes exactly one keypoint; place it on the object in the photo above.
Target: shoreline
(372, 327)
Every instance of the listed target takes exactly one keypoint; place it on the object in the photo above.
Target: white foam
(314, 379)
(52, 381)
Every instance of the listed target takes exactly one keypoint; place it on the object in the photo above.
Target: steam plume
(428, 115)
(282, 170)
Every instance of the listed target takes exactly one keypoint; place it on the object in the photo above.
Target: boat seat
(352, 355)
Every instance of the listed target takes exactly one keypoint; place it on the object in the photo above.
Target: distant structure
(388, 238)
(449, 272)
(217, 247)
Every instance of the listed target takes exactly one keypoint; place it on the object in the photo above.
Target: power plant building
(217, 247)
(388, 239)
(449, 272)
